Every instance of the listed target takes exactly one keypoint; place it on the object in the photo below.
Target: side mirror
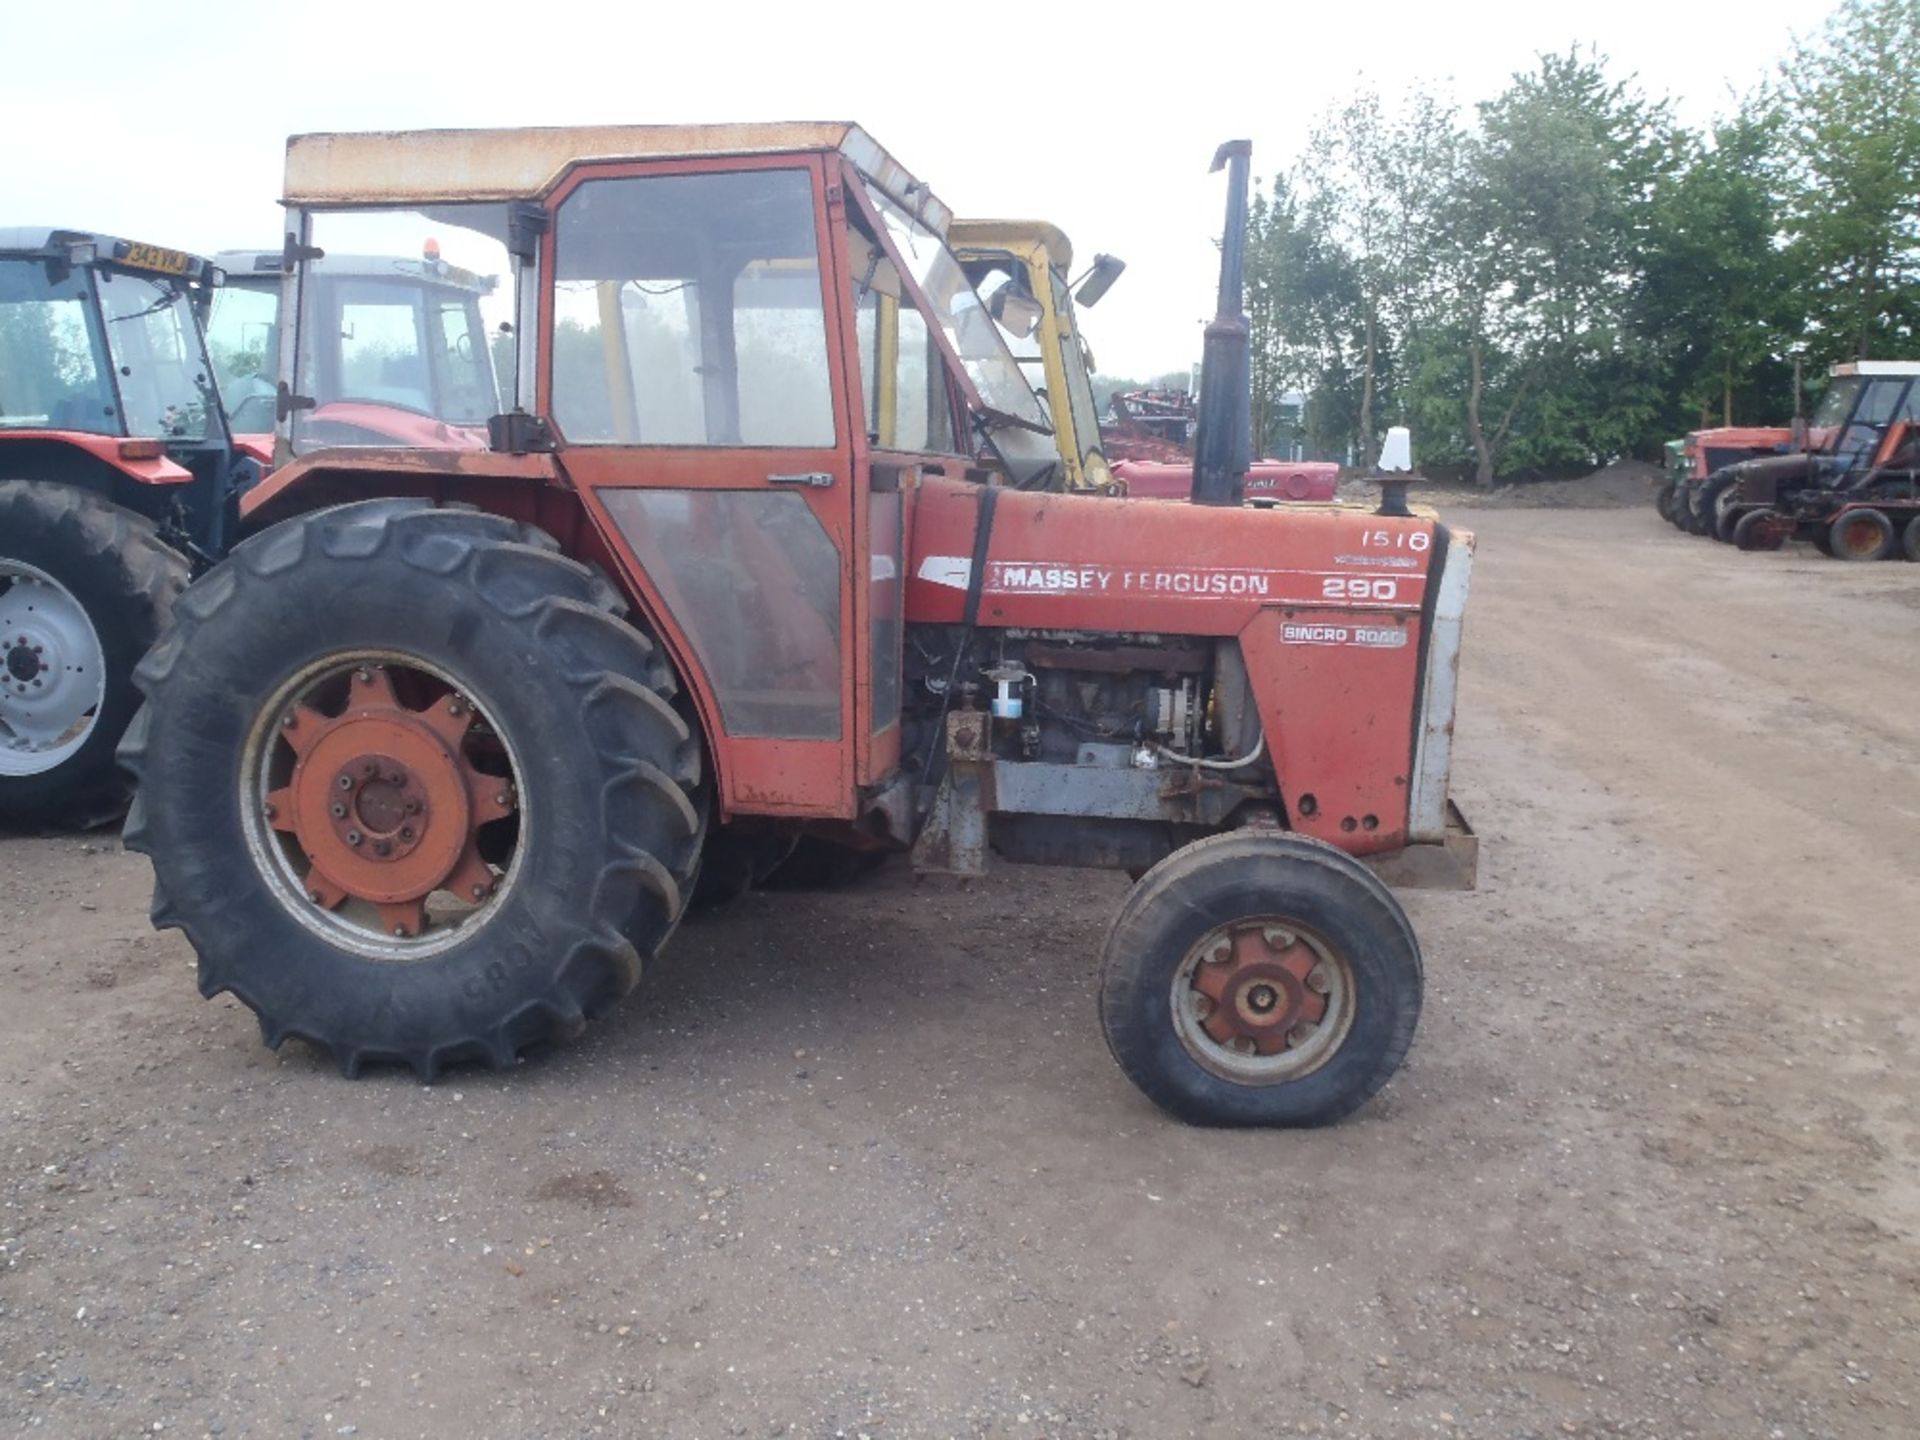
(1015, 307)
(1106, 269)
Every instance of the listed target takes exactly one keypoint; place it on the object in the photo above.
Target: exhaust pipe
(1223, 432)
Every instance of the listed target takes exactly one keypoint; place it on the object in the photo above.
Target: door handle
(815, 479)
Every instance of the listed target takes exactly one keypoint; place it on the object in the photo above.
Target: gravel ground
(860, 1165)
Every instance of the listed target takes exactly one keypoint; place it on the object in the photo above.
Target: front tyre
(85, 587)
(1260, 979)
(412, 787)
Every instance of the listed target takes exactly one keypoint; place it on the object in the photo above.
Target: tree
(1850, 108)
(1561, 178)
(1717, 292)
(1304, 300)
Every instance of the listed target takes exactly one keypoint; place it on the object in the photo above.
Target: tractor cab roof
(416, 167)
(1878, 367)
(88, 247)
(974, 234)
(428, 270)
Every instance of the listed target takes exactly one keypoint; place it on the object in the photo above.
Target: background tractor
(117, 474)
(1020, 269)
(1705, 455)
(1852, 489)
(406, 358)
(430, 763)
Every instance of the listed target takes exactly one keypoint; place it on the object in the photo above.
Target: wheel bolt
(288, 721)
(339, 812)
(400, 932)
(406, 832)
(1221, 952)
(370, 770)
(270, 811)
(1318, 980)
(505, 797)
(314, 895)
(479, 892)
(346, 782)
(382, 848)
(353, 837)
(363, 675)
(413, 807)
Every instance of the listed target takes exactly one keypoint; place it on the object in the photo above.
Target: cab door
(695, 378)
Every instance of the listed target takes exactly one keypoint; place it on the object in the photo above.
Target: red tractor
(429, 765)
(1687, 499)
(1149, 438)
(408, 360)
(117, 474)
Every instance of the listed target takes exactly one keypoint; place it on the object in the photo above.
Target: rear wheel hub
(386, 804)
(52, 670)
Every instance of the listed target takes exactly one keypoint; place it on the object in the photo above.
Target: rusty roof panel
(385, 167)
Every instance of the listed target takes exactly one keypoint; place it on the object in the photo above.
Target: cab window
(688, 311)
(903, 371)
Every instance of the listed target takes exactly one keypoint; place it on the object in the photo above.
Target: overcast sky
(168, 124)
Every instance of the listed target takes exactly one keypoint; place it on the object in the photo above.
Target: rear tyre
(1756, 530)
(1861, 535)
(1702, 503)
(1910, 539)
(1260, 979)
(412, 787)
(1663, 501)
(85, 587)
(1682, 499)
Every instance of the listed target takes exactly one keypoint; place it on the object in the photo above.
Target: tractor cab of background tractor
(107, 381)
(117, 475)
(1021, 268)
(397, 349)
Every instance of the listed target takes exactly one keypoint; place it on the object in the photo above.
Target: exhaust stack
(1223, 432)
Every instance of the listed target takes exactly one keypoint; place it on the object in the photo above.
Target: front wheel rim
(53, 671)
(1262, 1001)
(385, 806)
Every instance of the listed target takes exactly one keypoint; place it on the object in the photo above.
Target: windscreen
(243, 344)
(960, 313)
(166, 384)
(406, 328)
(51, 375)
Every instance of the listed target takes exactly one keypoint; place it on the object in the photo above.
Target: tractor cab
(1864, 399)
(398, 349)
(1021, 268)
(105, 379)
